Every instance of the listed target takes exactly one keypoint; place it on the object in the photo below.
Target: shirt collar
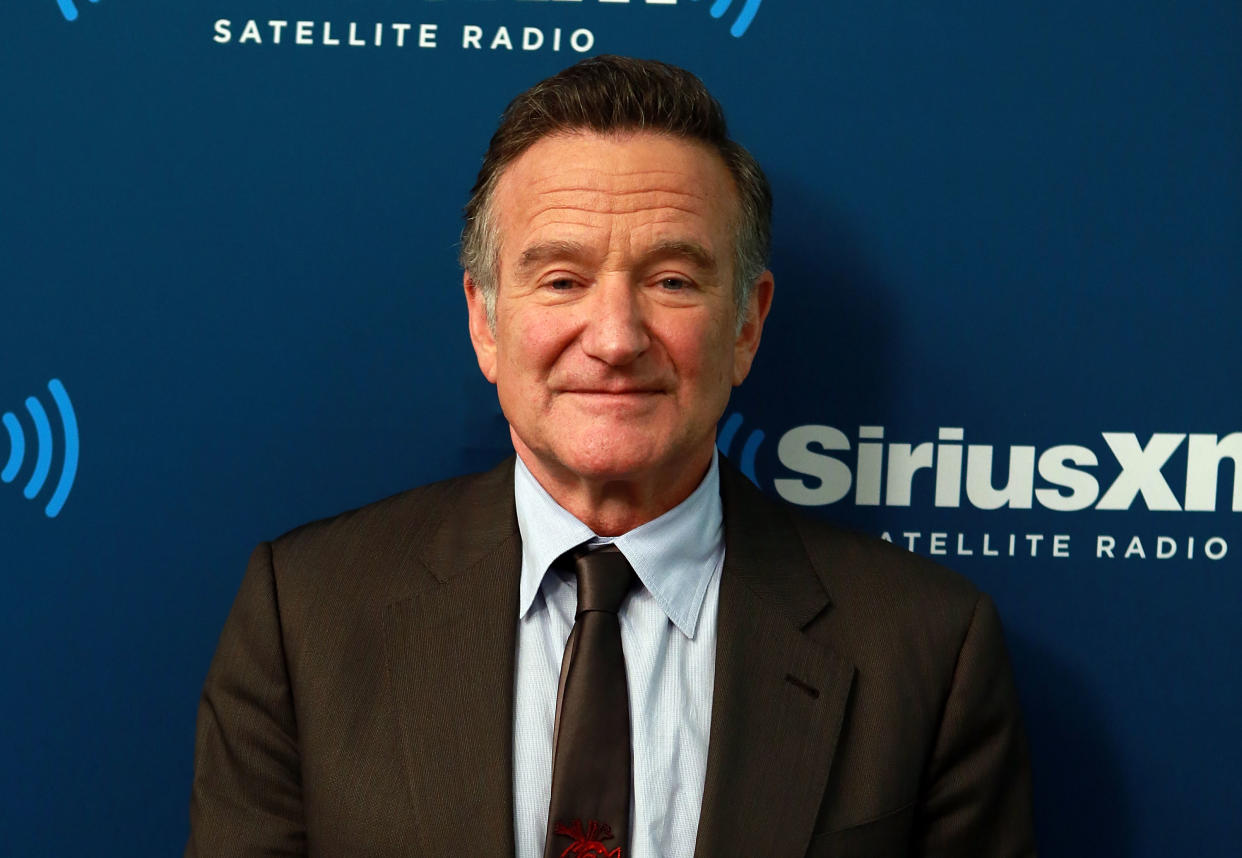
(674, 555)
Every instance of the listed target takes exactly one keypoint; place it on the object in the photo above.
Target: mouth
(606, 398)
(618, 391)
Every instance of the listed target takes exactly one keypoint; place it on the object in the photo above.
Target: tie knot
(604, 577)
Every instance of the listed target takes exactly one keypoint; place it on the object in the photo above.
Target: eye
(674, 284)
(562, 284)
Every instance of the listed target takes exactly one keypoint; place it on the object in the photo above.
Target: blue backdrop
(1009, 284)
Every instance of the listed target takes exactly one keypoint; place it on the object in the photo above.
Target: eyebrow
(548, 251)
(691, 251)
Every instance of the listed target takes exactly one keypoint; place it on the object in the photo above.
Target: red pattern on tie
(589, 843)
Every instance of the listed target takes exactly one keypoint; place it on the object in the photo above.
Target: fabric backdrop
(1009, 287)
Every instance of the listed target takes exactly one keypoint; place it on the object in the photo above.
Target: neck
(616, 504)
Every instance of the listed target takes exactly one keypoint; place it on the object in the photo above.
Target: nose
(616, 330)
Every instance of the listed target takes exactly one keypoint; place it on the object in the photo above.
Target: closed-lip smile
(614, 391)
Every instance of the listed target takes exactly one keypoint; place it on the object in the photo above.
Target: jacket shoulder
(399, 525)
(855, 565)
(852, 568)
(326, 584)
(394, 547)
(903, 620)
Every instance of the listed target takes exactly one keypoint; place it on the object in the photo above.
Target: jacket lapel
(450, 653)
(779, 697)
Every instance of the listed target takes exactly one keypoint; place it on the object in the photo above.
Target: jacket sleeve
(247, 797)
(977, 789)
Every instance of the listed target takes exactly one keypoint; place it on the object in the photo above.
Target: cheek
(703, 355)
(532, 344)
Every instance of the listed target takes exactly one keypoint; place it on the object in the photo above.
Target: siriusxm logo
(750, 8)
(746, 458)
(69, 10)
(829, 467)
(43, 448)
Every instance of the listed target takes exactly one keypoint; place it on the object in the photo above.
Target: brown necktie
(590, 809)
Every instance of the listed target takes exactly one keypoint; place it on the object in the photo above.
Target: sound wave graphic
(750, 8)
(44, 448)
(725, 440)
(69, 10)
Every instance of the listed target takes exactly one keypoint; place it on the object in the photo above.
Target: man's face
(616, 341)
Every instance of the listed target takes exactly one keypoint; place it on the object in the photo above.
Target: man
(397, 680)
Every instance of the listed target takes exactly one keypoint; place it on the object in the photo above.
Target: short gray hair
(618, 94)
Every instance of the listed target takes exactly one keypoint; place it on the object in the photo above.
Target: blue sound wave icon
(725, 440)
(750, 8)
(69, 9)
(44, 448)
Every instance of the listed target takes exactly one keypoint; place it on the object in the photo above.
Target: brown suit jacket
(360, 702)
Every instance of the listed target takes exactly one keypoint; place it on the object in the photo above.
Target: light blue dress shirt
(668, 635)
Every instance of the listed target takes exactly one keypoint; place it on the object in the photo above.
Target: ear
(481, 335)
(747, 343)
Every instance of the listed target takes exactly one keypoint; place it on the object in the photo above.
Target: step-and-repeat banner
(1008, 259)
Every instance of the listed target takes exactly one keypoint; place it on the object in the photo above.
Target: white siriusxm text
(830, 468)
(401, 35)
(1107, 546)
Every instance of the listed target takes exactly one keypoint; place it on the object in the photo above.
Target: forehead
(616, 188)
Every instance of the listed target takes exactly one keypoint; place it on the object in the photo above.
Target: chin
(626, 459)
(609, 454)
(609, 468)
(595, 455)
